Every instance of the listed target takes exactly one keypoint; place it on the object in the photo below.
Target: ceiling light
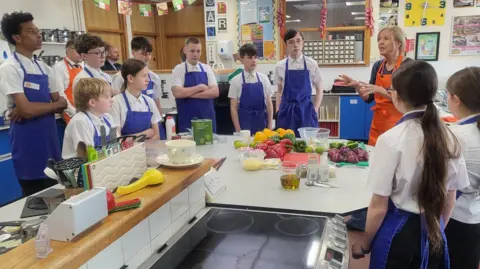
(357, 3)
(287, 21)
(358, 13)
(359, 18)
(288, 16)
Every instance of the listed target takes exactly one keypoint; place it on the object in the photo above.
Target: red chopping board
(298, 158)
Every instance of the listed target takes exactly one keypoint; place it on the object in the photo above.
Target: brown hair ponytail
(465, 84)
(131, 67)
(416, 84)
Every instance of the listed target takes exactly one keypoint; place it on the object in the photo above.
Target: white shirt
(178, 74)
(97, 73)
(11, 80)
(3, 100)
(81, 129)
(467, 208)
(235, 91)
(297, 64)
(397, 165)
(157, 89)
(119, 108)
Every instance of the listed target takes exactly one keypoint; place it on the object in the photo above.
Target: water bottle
(170, 127)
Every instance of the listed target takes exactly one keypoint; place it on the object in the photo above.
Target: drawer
(161, 239)
(179, 204)
(194, 209)
(196, 191)
(140, 257)
(178, 224)
(160, 220)
(135, 240)
(109, 258)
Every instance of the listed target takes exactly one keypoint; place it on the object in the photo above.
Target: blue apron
(194, 108)
(91, 75)
(252, 111)
(471, 120)
(97, 139)
(393, 223)
(149, 91)
(35, 140)
(296, 110)
(136, 121)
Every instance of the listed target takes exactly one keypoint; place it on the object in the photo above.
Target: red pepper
(271, 154)
(270, 142)
(280, 149)
(262, 146)
(286, 141)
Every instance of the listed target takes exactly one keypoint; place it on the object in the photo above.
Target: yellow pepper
(260, 137)
(289, 132)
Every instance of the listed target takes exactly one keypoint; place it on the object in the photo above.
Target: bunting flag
(177, 5)
(145, 10)
(162, 9)
(191, 1)
(125, 7)
(103, 4)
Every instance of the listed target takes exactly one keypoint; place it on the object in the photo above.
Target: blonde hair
(397, 34)
(87, 89)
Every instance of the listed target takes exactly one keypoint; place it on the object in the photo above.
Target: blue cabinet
(352, 117)
(10, 189)
(368, 118)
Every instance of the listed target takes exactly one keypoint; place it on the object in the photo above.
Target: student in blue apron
(92, 50)
(194, 87)
(93, 101)
(133, 112)
(142, 50)
(297, 78)
(463, 230)
(415, 173)
(32, 103)
(250, 95)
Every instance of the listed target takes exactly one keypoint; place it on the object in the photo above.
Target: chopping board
(298, 158)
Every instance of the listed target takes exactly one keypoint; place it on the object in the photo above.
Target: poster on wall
(463, 3)
(125, 7)
(162, 9)
(177, 5)
(222, 8)
(222, 25)
(211, 34)
(256, 25)
(103, 4)
(145, 10)
(465, 36)
(427, 46)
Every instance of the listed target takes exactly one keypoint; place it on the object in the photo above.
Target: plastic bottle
(42, 242)
(170, 127)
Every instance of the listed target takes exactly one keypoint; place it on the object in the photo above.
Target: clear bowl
(252, 160)
(317, 137)
(252, 153)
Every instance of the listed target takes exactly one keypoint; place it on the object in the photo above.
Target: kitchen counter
(76, 253)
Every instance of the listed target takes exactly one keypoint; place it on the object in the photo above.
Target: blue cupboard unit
(355, 117)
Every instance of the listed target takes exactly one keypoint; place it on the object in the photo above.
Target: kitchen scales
(241, 239)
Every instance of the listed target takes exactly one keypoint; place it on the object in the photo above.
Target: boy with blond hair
(93, 101)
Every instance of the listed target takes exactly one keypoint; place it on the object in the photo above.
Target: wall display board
(210, 20)
(463, 3)
(256, 25)
(427, 46)
(425, 13)
(465, 36)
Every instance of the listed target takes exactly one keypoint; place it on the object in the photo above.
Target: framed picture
(463, 3)
(427, 45)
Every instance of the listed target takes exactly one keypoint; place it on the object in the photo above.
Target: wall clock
(425, 12)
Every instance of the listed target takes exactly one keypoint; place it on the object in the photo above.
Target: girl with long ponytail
(463, 230)
(416, 170)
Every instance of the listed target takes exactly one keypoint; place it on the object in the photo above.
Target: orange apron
(72, 73)
(385, 115)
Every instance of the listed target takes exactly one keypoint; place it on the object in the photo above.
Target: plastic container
(317, 137)
(170, 127)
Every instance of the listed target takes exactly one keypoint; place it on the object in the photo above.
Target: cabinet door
(10, 189)
(352, 117)
(368, 118)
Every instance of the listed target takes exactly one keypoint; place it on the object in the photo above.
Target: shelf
(334, 137)
(328, 120)
(53, 43)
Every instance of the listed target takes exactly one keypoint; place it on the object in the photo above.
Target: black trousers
(463, 244)
(405, 249)
(30, 187)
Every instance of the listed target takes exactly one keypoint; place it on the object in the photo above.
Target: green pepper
(352, 145)
(340, 145)
(275, 138)
(300, 146)
(333, 145)
(290, 137)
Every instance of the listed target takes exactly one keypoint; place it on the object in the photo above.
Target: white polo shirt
(397, 165)
(97, 73)
(178, 74)
(119, 108)
(12, 75)
(467, 208)
(297, 64)
(235, 91)
(81, 129)
(117, 83)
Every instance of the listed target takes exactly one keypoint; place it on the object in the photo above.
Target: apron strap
(304, 63)
(94, 128)
(243, 77)
(23, 68)
(186, 68)
(126, 101)
(88, 72)
(258, 77)
(145, 100)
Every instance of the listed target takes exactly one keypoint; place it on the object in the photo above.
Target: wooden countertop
(74, 254)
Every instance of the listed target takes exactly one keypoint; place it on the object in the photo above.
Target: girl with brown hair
(463, 230)
(416, 170)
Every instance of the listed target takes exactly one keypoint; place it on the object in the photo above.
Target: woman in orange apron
(391, 43)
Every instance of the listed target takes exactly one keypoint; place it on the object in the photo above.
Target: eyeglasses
(100, 54)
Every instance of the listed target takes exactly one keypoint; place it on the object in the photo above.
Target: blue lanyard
(471, 120)
(409, 116)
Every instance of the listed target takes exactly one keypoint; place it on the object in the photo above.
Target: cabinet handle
(162, 248)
